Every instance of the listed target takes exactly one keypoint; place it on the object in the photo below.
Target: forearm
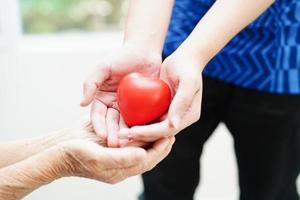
(148, 22)
(15, 151)
(221, 23)
(20, 179)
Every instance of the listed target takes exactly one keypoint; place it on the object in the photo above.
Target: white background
(40, 90)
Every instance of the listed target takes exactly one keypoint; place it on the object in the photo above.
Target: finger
(162, 118)
(159, 151)
(92, 83)
(182, 101)
(132, 143)
(112, 125)
(148, 133)
(98, 114)
(123, 142)
(122, 123)
(107, 98)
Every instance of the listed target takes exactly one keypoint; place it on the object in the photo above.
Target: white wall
(10, 27)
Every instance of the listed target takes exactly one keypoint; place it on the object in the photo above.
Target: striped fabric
(264, 56)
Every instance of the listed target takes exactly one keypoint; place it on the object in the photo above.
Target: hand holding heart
(183, 74)
(100, 88)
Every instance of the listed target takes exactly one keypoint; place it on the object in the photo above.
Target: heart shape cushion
(141, 99)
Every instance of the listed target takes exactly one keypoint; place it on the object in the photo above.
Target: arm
(78, 158)
(20, 179)
(15, 151)
(220, 24)
(147, 23)
(183, 69)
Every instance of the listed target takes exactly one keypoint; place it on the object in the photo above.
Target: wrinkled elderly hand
(111, 165)
(86, 158)
(79, 153)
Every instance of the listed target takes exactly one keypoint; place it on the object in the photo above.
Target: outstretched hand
(86, 158)
(101, 86)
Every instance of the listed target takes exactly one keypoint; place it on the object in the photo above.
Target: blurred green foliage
(48, 16)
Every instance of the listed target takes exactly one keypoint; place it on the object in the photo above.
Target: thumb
(92, 83)
(181, 102)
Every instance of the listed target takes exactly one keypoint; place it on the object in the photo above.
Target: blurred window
(53, 16)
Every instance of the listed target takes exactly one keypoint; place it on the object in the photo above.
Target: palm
(127, 62)
(105, 113)
(122, 64)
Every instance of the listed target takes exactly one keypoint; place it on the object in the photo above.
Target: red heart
(142, 99)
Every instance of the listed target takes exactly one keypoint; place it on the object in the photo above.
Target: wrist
(143, 54)
(40, 144)
(20, 179)
(17, 151)
(145, 48)
(65, 135)
(192, 56)
(199, 53)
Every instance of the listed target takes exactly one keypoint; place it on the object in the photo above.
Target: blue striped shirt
(264, 56)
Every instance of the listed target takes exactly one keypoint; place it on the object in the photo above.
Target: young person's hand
(183, 73)
(100, 88)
